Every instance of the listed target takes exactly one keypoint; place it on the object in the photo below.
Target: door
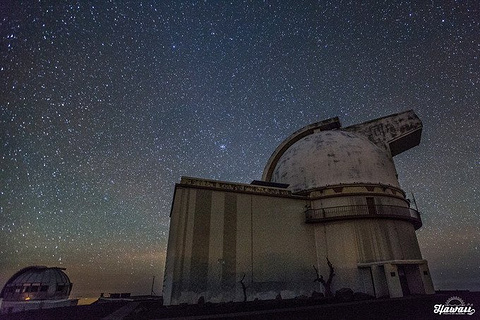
(403, 280)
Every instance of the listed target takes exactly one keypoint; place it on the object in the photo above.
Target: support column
(393, 281)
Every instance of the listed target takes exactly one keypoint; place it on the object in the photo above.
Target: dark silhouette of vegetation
(244, 289)
(326, 284)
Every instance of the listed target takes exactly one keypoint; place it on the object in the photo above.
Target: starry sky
(104, 105)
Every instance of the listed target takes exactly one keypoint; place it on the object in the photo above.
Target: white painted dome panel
(334, 157)
(37, 283)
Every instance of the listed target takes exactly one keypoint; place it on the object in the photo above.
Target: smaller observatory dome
(334, 157)
(37, 283)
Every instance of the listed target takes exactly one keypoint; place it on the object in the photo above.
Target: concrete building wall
(283, 248)
(221, 237)
(340, 246)
(218, 238)
(350, 243)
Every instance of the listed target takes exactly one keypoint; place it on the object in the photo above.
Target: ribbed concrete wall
(217, 238)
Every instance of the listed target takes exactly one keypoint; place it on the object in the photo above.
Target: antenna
(152, 293)
(414, 201)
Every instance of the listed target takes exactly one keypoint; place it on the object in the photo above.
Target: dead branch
(326, 284)
(244, 289)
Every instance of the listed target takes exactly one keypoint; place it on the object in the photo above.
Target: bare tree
(244, 289)
(326, 284)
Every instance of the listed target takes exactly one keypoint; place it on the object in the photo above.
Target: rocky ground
(412, 307)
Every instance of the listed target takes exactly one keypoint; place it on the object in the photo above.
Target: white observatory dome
(334, 157)
(37, 283)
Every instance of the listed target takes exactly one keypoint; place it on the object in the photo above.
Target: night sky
(104, 106)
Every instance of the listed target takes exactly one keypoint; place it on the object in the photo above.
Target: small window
(393, 274)
(34, 288)
(43, 288)
(425, 273)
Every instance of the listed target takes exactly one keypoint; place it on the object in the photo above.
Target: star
(103, 108)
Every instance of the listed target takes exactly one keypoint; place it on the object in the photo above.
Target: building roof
(395, 133)
(324, 153)
(333, 157)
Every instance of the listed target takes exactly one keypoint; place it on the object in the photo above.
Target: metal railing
(364, 211)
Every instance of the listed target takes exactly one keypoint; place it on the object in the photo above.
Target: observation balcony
(363, 212)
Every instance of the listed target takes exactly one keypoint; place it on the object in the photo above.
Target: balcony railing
(362, 212)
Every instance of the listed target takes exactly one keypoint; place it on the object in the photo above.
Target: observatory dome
(333, 157)
(37, 283)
